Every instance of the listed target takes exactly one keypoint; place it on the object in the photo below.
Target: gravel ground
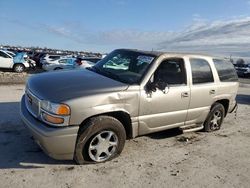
(164, 159)
(10, 77)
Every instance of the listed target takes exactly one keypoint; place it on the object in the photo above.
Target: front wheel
(19, 68)
(101, 139)
(215, 118)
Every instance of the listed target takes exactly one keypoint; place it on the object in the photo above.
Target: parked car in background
(89, 61)
(242, 67)
(21, 62)
(36, 57)
(63, 63)
(87, 114)
(48, 58)
(18, 63)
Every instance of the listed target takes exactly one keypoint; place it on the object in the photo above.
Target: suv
(243, 69)
(17, 63)
(88, 114)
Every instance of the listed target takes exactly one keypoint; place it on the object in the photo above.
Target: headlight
(55, 114)
(58, 109)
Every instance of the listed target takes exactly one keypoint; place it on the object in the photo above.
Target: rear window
(225, 70)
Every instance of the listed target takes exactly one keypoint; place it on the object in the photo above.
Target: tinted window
(225, 70)
(2, 54)
(201, 71)
(64, 61)
(54, 57)
(171, 71)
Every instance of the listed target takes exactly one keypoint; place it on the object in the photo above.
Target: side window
(171, 71)
(71, 61)
(63, 61)
(225, 70)
(3, 55)
(201, 71)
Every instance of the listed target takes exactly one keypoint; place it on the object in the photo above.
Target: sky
(213, 26)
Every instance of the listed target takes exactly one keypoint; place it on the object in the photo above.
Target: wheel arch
(121, 116)
(15, 64)
(225, 103)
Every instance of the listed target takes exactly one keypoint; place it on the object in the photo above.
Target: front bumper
(58, 143)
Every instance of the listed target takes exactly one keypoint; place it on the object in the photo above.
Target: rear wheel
(215, 118)
(19, 68)
(101, 139)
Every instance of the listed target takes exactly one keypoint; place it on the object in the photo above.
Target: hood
(60, 86)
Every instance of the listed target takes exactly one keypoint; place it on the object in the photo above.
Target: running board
(191, 128)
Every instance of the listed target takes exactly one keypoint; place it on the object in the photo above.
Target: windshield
(124, 66)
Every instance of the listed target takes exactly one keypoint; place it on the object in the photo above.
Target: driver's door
(160, 109)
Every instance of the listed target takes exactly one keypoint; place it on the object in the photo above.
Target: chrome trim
(28, 92)
(40, 111)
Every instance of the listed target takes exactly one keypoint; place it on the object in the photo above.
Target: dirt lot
(165, 159)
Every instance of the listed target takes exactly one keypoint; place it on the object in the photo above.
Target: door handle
(184, 94)
(212, 92)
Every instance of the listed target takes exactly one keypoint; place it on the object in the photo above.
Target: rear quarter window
(225, 70)
(201, 71)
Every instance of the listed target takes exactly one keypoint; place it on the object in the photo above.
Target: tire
(101, 139)
(19, 68)
(215, 118)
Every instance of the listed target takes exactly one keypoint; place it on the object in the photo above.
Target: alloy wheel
(215, 121)
(103, 146)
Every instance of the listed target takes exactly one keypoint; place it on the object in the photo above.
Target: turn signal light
(63, 110)
(52, 119)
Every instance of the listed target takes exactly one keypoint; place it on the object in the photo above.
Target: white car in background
(63, 63)
(70, 63)
(89, 61)
(48, 58)
(18, 63)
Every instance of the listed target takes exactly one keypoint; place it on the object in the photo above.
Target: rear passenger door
(203, 90)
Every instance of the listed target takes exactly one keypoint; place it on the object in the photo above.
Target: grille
(32, 103)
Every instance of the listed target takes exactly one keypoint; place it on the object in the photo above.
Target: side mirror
(152, 86)
(161, 85)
